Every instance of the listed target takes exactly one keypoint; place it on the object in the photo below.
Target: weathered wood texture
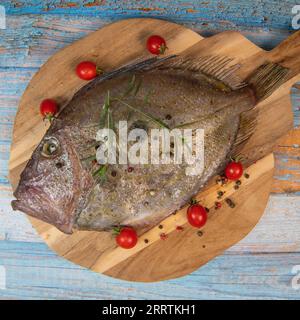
(260, 266)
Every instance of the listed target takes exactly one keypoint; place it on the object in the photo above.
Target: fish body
(61, 188)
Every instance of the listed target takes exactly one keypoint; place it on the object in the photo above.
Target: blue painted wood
(258, 267)
(41, 274)
(229, 14)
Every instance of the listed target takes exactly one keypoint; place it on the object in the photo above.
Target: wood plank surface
(274, 118)
(34, 34)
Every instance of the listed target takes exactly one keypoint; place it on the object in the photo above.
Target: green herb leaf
(101, 173)
(147, 96)
(104, 112)
(90, 158)
(146, 115)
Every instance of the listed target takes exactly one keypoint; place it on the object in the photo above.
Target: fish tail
(267, 78)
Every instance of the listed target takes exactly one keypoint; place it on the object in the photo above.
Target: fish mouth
(34, 202)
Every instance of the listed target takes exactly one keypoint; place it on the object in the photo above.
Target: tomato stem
(99, 71)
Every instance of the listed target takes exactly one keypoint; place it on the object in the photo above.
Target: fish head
(54, 183)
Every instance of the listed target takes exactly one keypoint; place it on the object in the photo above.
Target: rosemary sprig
(104, 112)
(101, 173)
(147, 97)
(90, 158)
(106, 117)
(146, 115)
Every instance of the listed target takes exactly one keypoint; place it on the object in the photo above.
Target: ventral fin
(247, 126)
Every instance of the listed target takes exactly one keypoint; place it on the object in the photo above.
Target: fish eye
(50, 147)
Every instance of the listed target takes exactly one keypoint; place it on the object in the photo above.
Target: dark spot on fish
(168, 117)
(59, 165)
(139, 124)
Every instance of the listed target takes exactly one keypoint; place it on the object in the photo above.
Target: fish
(64, 185)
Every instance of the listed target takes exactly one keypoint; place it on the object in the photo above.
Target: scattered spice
(238, 182)
(230, 203)
(168, 117)
(163, 236)
(113, 173)
(218, 205)
(246, 175)
(160, 226)
(236, 187)
(204, 246)
(200, 233)
(219, 181)
(224, 180)
(179, 228)
(220, 193)
(174, 213)
(146, 240)
(206, 209)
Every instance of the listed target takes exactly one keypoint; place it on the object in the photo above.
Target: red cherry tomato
(127, 238)
(48, 109)
(196, 215)
(234, 170)
(156, 44)
(86, 70)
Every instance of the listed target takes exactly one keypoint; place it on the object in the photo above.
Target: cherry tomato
(48, 109)
(127, 238)
(86, 70)
(234, 170)
(196, 215)
(156, 44)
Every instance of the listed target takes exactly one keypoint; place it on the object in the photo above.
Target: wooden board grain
(28, 133)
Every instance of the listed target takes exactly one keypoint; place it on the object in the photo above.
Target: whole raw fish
(62, 183)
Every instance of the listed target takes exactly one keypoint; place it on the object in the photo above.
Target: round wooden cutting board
(183, 249)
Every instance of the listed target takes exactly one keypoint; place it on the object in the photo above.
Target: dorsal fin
(218, 67)
(136, 65)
